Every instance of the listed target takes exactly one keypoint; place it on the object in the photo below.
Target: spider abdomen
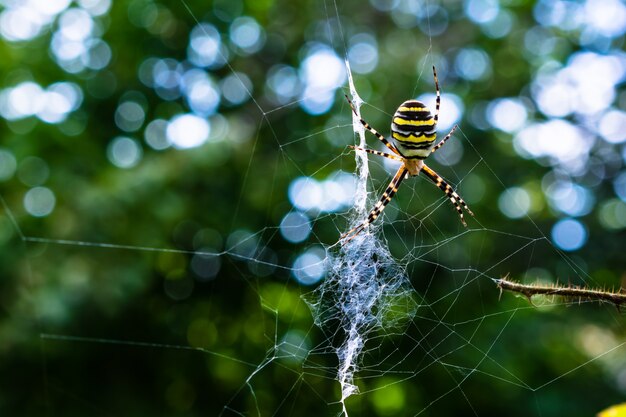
(414, 130)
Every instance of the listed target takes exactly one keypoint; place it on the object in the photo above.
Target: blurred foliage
(103, 312)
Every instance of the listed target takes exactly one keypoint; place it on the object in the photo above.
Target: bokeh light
(166, 77)
(571, 89)
(58, 101)
(565, 144)
(452, 153)
(451, 110)
(242, 245)
(473, 64)
(246, 33)
(331, 195)
(321, 73)
(24, 20)
(569, 234)
(482, 11)
(308, 268)
(284, 83)
(51, 105)
(507, 114)
(206, 264)
(515, 202)
(20, 101)
(501, 26)
(294, 346)
(305, 193)
(237, 88)
(205, 47)
(75, 25)
(33, 171)
(569, 198)
(124, 152)
(600, 18)
(129, 116)
(201, 92)
(612, 214)
(156, 134)
(8, 164)
(187, 131)
(76, 45)
(363, 53)
(612, 126)
(295, 227)
(95, 7)
(605, 17)
(619, 185)
(39, 201)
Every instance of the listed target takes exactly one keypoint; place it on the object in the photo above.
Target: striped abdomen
(413, 130)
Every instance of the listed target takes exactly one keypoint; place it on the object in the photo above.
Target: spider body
(413, 134)
(413, 130)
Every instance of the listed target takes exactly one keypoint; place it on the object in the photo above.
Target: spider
(413, 131)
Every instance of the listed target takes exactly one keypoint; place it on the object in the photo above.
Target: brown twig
(570, 292)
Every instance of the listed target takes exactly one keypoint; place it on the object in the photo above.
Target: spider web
(407, 319)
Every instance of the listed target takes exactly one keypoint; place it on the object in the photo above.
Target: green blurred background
(173, 172)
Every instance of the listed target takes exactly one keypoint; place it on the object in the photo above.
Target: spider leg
(459, 203)
(438, 102)
(448, 136)
(386, 155)
(391, 190)
(372, 130)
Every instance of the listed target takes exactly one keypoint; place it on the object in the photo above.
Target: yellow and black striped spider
(413, 131)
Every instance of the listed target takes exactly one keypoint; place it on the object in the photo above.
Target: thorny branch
(616, 297)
